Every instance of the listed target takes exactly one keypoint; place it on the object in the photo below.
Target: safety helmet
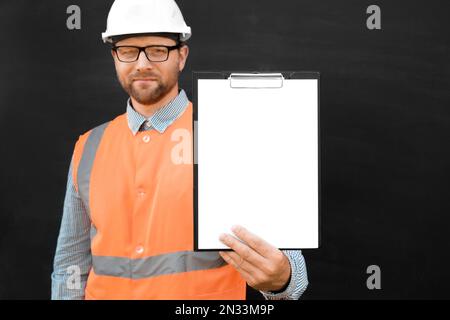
(145, 16)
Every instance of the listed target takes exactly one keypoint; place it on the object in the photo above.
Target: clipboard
(256, 139)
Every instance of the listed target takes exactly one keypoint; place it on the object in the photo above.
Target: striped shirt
(73, 259)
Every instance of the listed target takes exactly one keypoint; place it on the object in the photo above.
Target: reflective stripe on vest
(87, 159)
(177, 262)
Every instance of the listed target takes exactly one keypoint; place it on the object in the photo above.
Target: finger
(232, 258)
(242, 263)
(232, 261)
(258, 244)
(242, 249)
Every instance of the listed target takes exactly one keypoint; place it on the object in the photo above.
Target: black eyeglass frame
(169, 48)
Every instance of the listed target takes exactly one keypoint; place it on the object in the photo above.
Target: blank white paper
(257, 155)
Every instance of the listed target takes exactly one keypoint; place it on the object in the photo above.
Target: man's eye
(127, 50)
(157, 51)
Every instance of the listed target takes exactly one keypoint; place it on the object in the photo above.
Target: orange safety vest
(140, 204)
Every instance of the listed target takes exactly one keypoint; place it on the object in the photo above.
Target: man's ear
(184, 52)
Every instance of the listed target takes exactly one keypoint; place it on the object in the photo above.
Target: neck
(147, 110)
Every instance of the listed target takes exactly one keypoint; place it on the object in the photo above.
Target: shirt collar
(162, 118)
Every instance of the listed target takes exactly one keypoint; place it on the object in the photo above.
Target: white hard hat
(145, 16)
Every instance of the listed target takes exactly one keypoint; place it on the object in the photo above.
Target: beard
(148, 93)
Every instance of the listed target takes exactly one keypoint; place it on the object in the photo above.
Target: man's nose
(142, 61)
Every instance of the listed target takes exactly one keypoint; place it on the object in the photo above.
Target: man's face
(148, 82)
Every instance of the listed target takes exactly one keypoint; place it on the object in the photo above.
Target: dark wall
(385, 119)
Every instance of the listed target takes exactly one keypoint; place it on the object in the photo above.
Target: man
(127, 226)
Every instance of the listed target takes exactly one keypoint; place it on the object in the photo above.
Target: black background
(384, 114)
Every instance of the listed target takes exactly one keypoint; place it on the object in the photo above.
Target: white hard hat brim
(107, 36)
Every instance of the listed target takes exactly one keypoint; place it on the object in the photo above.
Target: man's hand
(263, 266)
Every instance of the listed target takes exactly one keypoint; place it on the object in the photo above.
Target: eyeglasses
(154, 53)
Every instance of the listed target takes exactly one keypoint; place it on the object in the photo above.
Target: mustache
(143, 75)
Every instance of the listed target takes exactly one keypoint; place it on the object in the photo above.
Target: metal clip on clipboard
(256, 80)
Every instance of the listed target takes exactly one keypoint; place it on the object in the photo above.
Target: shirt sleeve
(298, 282)
(73, 258)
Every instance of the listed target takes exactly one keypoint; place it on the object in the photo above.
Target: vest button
(146, 138)
(139, 249)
